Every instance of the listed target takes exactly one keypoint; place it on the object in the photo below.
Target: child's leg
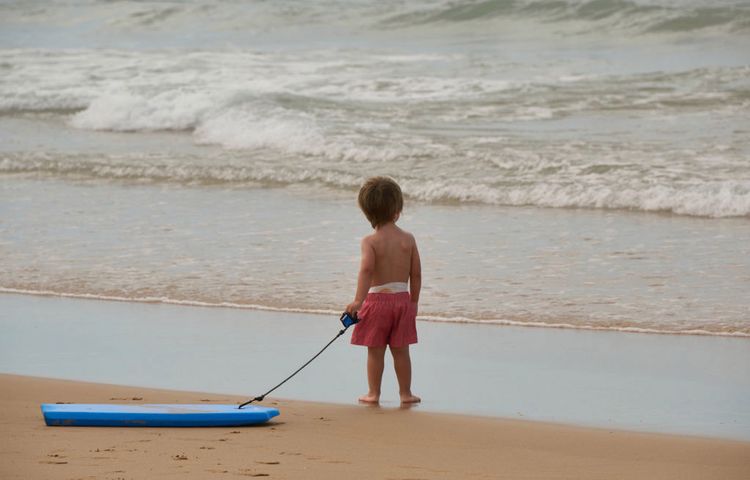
(375, 365)
(402, 365)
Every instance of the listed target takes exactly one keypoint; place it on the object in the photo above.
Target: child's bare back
(395, 253)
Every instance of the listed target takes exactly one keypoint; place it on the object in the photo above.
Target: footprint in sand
(54, 462)
(249, 473)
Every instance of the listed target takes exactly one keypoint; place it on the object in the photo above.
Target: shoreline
(310, 311)
(87, 388)
(321, 440)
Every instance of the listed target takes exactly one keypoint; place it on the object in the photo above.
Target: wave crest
(727, 198)
(596, 15)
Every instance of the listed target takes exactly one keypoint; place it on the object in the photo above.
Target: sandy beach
(315, 440)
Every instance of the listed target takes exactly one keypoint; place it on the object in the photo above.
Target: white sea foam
(245, 129)
(727, 198)
(170, 110)
(720, 199)
(427, 318)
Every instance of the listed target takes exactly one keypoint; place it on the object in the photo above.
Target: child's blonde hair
(381, 200)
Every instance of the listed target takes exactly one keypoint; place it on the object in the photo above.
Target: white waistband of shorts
(391, 287)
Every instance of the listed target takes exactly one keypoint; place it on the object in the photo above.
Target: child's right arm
(364, 279)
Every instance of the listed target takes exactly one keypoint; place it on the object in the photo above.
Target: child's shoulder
(406, 234)
(369, 240)
(396, 233)
(404, 238)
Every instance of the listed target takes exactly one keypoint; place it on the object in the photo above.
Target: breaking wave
(728, 198)
(611, 127)
(593, 15)
(589, 16)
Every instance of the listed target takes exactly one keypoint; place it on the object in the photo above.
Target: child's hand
(353, 308)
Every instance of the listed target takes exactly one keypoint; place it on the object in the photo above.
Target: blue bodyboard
(165, 415)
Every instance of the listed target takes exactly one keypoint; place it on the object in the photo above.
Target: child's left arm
(415, 274)
(364, 279)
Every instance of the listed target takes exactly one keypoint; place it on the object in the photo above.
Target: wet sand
(678, 384)
(326, 441)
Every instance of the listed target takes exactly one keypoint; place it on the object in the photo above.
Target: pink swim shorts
(386, 319)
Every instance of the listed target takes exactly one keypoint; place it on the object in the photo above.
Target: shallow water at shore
(297, 249)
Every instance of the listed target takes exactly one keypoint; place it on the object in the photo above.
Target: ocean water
(578, 164)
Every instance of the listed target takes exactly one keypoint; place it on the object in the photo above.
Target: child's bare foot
(410, 398)
(370, 398)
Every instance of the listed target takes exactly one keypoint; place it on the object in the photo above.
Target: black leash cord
(261, 397)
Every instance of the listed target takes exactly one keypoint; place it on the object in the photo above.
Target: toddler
(388, 285)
